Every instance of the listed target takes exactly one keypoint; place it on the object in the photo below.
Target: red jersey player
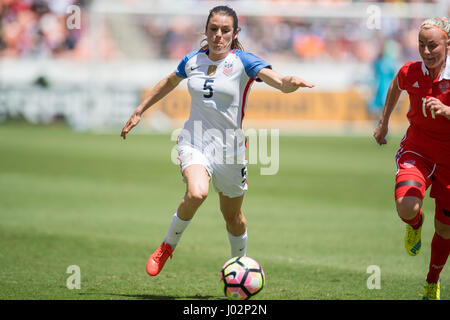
(423, 159)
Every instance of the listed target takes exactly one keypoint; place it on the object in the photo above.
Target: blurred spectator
(31, 28)
(292, 39)
(38, 28)
(384, 70)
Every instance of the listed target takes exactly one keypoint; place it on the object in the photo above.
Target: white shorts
(230, 179)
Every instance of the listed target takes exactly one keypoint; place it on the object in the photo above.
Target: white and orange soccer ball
(241, 278)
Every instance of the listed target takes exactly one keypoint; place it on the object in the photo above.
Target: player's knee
(443, 230)
(408, 207)
(442, 219)
(197, 196)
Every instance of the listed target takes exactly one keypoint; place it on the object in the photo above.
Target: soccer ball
(241, 278)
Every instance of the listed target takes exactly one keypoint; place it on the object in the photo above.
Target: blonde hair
(441, 23)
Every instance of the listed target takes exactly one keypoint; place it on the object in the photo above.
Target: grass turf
(104, 204)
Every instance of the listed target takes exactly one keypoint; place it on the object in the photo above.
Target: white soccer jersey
(219, 92)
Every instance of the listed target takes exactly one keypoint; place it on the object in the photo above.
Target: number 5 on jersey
(208, 87)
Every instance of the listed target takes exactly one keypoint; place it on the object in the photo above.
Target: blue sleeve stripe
(252, 63)
(181, 72)
(181, 69)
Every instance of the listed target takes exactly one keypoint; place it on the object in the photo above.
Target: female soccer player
(424, 155)
(211, 145)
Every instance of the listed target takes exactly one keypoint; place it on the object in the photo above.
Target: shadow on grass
(157, 297)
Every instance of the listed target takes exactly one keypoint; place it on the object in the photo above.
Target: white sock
(238, 244)
(176, 228)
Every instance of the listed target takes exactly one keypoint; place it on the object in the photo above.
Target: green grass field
(104, 204)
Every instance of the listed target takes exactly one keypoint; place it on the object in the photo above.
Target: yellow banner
(348, 105)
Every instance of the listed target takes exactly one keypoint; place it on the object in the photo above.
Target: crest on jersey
(228, 68)
(212, 70)
(444, 86)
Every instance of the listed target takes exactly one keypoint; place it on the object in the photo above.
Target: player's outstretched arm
(159, 91)
(285, 84)
(382, 128)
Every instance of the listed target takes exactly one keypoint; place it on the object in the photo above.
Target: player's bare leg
(408, 207)
(409, 210)
(235, 222)
(197, 186)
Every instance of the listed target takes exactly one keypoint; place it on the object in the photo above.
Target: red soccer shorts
(415, 174)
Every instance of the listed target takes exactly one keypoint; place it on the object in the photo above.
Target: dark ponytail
(227, 11)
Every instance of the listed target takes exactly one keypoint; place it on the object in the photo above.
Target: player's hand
(380, 133)
(290, 84)
(131, 123)
(437, 107)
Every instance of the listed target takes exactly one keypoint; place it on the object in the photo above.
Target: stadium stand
(124, 46)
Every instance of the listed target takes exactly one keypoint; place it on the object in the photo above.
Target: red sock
(440, 248)
(415, 222)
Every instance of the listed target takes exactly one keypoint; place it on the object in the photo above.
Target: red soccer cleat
(157, 260)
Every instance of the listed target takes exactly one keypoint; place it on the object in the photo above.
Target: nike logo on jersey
(193, 68)
(416, 84)
(446, 212)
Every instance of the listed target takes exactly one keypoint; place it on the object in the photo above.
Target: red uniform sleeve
(401, 75)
